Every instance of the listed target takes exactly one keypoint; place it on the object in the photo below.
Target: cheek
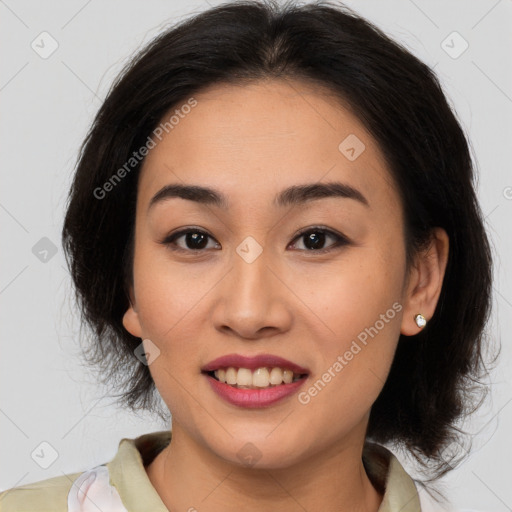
(163, 290)
(169, 300)
(354, 293)
(355, 362)
(359, 303)
(168, 308)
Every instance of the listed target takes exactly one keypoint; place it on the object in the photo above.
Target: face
(317, 279)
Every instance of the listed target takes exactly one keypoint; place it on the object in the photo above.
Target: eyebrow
(291, 196)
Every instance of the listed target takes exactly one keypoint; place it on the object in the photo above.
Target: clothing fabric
(122, 485)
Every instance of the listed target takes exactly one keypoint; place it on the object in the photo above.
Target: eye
(314, 239)
(193, 239)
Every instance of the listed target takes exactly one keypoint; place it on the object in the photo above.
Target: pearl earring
(420, 321)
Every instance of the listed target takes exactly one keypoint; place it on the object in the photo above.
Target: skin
(250, 142)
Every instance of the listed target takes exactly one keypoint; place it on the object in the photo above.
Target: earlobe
(131, 318)
(425, 283)
(131, 322)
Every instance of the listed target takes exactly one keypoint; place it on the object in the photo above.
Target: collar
(128, 474)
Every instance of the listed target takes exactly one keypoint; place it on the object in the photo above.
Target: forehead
(254, 140)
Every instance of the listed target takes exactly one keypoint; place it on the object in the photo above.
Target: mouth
(254, 372)
(263, 380)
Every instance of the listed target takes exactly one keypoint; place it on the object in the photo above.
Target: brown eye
(193, 240)
(196, 240)
(314, 239)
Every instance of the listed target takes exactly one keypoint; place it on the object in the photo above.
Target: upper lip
(253, 362)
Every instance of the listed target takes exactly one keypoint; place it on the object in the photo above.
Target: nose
(252, 302)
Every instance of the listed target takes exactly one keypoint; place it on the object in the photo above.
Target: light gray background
(47, 106)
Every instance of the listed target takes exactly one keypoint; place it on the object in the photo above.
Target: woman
(273, 224)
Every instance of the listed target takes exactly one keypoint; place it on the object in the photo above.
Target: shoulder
(111, 486)
(77, 492)
(46, 495)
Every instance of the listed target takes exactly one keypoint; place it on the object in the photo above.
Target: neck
(188, 476)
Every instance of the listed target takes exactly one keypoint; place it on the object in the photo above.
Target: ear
(131, 317)
(425, 282)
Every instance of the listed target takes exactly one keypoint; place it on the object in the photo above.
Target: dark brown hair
(397, 97)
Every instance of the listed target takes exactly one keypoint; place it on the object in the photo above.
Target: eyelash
(340, 240)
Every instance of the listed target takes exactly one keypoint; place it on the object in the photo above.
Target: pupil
(198, 240)
(316, 240)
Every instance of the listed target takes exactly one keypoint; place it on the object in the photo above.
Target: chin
(259, 452)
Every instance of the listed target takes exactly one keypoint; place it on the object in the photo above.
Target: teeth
(244, 377)
(260, 378)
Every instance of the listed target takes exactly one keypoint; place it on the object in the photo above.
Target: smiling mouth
(261, 378)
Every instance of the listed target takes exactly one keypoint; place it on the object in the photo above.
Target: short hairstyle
(435, 374)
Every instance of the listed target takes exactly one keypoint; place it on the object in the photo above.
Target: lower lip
(254, 398)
